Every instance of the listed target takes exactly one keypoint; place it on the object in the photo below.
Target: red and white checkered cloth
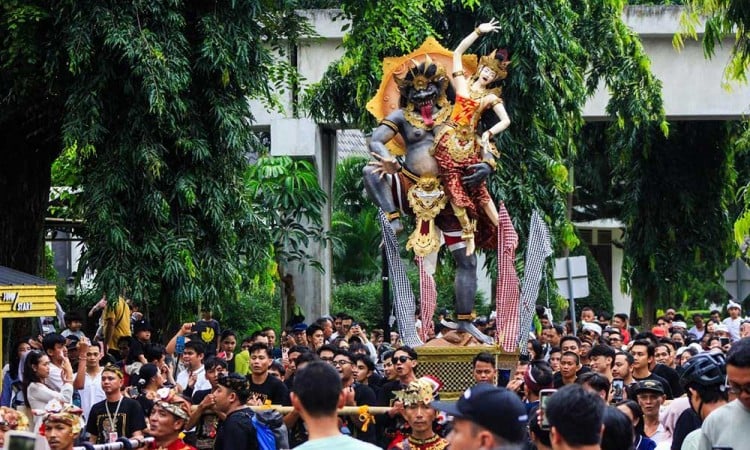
(427, 299)
(508, 292)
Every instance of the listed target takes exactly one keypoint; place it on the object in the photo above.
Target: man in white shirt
(193, 378)
(88, 380)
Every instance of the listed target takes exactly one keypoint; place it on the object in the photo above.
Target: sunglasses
(737, 389)
(401, 359)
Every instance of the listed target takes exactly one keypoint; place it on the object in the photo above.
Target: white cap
(591, 326)
(679, 324)
(733, 304)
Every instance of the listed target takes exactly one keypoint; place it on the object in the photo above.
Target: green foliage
(354, 226)
(156, 131)
(286, 194)
(362, 301)
(254, 309)
(679, 232)
(723, 19)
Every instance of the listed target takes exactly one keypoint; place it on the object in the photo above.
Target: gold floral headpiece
(170, 400)
(10, 419)
(58, 412)
(499, 66)
(422, 390)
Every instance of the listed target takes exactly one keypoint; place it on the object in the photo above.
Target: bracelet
(458, 73)
(478, 31)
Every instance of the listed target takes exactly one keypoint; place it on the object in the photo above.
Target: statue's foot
(468, 327)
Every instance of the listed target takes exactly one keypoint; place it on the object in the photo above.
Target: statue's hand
(489, 27)
(481, 172)
(384, 165)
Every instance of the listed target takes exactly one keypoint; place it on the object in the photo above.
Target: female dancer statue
(457, 144)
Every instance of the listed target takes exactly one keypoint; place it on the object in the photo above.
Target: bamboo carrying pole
(346, 410)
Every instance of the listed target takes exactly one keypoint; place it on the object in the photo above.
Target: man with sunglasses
(404, 362)
(727, 426)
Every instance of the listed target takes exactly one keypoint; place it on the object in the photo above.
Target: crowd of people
(603, 385)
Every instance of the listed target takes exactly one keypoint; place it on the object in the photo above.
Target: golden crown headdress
(421, 390)
(498, 65)
(422, 74)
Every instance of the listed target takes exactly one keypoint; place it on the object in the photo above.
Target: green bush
(251, 311)
(362, 301)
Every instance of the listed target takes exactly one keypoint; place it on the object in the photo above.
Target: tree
(560, 52)
(32, 83)
(676, 213)
(287, 196)
(153, 99)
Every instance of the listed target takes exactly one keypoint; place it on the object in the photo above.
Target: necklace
(113, 422)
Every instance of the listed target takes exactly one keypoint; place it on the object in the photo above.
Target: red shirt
(177, 444)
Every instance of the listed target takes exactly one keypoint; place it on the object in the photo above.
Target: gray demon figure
(413, 185)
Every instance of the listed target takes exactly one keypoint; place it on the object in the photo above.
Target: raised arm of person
(80, 377)
(184, 330)
(460, 85)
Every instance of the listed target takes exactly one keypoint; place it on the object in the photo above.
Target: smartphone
(618, 385)
(133, 391)
(544, 396)
(724, 341)
(22, 440)
(179, 347)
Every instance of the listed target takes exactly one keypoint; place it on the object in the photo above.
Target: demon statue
(413, 184)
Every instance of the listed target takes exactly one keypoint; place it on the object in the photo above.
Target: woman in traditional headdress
(458, 147)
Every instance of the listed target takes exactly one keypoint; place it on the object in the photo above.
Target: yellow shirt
(120, 317)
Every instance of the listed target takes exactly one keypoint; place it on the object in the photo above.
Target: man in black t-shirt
(236, 432)
(264, 387)
(116, 416)
(643, 356)
(204, 417)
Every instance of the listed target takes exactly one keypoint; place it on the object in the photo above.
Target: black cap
(142, 325)
(648, 386)
(496, 409)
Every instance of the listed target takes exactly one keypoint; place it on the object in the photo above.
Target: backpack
(270, 430)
